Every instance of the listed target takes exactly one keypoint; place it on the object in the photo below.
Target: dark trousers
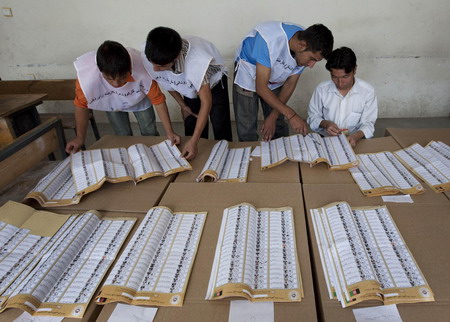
(219, 114)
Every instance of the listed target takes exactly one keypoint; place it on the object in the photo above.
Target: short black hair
(318, 39)
(163, 45)
(113, 59)
(342, 58)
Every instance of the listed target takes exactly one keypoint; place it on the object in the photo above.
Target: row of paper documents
(52, 264)
(364, 256)
(376, 174)
(386, 173)
(86, 171)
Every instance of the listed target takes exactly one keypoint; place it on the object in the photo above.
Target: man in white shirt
(345, 104)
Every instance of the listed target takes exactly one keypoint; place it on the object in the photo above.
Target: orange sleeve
(80, 100)
(155, 95)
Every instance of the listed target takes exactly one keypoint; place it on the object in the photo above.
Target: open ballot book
(256, 256)
(154, 268)
(379, 174)
(430, 163)
(52, 264)
(226, 165)
(364, 257)
(86, 171)
(336, 151)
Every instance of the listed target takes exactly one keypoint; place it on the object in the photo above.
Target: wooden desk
(18, 115)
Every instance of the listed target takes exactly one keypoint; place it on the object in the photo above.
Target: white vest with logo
(102, 96)
(200, 55)
(281, 61)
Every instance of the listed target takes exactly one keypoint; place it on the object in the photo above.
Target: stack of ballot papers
(226, 165)
(430, 163)
(364, 256)
(336, 151)
(380, 174)
(52, 264)
(154, 268)
(256, 256)
(86, 171)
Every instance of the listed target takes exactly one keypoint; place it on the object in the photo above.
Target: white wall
(403, 46)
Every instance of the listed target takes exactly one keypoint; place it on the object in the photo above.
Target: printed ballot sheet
(379, 174)
(86, 171)
(154, 269)
(336, 151)
(256, 256)
(57, 275)
(364, 257)
(57, 188)
(431, 164)
(226, 165)
(93, 167)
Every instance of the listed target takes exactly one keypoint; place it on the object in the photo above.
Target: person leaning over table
(194, 73)
(114, 80)
(268, 66)
(344, 103)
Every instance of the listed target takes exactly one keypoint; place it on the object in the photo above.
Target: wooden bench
(28, 149)
(56, 90)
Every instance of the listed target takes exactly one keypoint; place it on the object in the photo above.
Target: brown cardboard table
(214, 198)
(424, 227)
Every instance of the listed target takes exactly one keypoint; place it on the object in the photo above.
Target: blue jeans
(120, 122)
(245, 104)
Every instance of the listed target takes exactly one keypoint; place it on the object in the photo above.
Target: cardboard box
(353, 195)
(407, 137)
(214, 198)
(93, 310)
(424, 228)
(286, 172)
(320, 174)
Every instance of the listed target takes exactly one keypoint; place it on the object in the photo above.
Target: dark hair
(113, 59)
(318, 39)
(163, 45)
(342, 58)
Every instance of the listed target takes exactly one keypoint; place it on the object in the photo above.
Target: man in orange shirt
(114, 80)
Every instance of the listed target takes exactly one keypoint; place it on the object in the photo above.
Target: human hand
(268, 127)
(174, 138)
(331, 128)
(298, 124)
(74, 145)
(354, 138)
(186, 111)
(189, 150)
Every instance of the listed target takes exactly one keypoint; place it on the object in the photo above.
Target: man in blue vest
(269, 63)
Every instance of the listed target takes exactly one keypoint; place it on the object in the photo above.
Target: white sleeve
(369, 115)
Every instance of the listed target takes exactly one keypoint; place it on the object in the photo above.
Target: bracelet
(292, 116)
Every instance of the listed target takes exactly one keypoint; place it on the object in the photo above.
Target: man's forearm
(164, 116)
(81, 121)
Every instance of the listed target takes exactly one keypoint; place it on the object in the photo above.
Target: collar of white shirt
(354, 90)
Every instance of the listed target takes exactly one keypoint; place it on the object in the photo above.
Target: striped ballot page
(430, 163)
(154, 269)
(57, 275)
(226, 165)
(379, 174)
(256, 256)
(336, 151)
(86, 171)
(364, 256)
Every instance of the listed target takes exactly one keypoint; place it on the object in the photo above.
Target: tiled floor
(380, 126)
